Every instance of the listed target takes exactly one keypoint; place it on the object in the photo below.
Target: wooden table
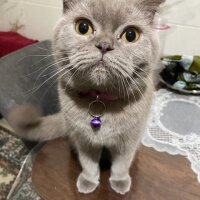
(155, 176)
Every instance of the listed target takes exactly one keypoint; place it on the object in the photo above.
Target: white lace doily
(174, 126)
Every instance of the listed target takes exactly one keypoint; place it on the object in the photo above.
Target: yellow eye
(84, 27)
(131, 34)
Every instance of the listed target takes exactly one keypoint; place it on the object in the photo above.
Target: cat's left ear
(150, 6)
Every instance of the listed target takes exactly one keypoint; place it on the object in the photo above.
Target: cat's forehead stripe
(107, 15)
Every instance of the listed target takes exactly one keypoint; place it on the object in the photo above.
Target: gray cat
(106, 51)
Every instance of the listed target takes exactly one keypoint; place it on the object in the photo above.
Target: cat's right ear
(67, 4)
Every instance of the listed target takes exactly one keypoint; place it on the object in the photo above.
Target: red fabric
(11, 41)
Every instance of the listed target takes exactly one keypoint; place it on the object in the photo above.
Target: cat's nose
(104, 47)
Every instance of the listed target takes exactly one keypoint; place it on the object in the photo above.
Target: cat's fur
(77, 55)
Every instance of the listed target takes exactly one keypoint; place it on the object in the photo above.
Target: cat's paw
(121, 186)
(86, 185)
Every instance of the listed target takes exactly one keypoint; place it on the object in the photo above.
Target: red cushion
(11, 41)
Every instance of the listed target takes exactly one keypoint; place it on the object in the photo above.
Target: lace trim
(164, 140)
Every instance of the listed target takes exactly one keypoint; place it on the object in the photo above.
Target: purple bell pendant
(96, 122)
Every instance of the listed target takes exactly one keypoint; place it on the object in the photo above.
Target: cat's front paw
(86, 185)
(121, 186)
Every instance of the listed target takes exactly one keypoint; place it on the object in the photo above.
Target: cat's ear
(67, 4)
(150, 6)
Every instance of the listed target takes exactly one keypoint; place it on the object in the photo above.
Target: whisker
(52, 65)
(36, 88)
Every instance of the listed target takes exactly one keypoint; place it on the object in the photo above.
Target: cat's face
(106, 45)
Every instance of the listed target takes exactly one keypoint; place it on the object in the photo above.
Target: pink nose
(104, 47)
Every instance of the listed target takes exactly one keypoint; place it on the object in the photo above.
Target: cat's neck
(99, 95)
(90, 95)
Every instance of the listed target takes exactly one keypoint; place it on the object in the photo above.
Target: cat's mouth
(101, 65)
(99, 73)
(94, 76)
(100, 69)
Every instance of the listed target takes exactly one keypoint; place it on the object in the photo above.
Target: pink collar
(100, 95)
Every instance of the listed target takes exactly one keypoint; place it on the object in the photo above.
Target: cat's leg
(88, 179)
(120, 179)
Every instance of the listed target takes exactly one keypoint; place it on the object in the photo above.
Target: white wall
(36, 19)
(32, 18)
(184, 35)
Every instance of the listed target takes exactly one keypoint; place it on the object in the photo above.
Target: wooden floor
(155, 176)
